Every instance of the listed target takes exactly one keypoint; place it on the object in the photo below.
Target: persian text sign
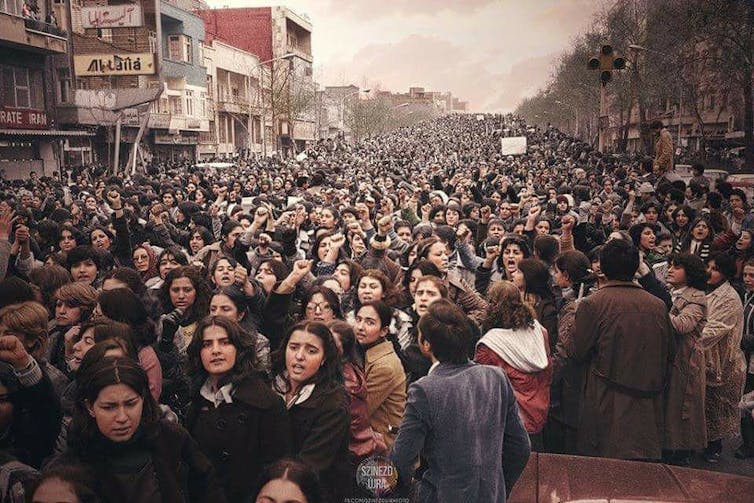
(112, 16)
(18, 118)
(96, 65)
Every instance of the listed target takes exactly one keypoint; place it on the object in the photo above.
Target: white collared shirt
(219, 397)
(434, 365)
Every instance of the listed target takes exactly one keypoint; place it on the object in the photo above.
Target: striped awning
(43, 132)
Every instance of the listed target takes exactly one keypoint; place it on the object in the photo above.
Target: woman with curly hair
(74, 304)
(185, 296)
(230, 388)
(516, 342)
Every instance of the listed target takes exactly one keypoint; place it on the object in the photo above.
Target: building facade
(282, 41)
(30, 136)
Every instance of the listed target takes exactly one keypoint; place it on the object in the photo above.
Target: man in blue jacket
(462, 418)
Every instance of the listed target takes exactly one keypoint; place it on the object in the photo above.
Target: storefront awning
(43, 132)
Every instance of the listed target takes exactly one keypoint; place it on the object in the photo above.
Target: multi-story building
(233, 91)
(282, 41)
(182, 113)
(109, 77)
(29, 134)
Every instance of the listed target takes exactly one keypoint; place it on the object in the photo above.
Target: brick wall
(249, 29)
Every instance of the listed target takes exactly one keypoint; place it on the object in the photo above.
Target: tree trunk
(748, 120)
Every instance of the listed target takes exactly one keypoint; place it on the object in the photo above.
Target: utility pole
(606, 62)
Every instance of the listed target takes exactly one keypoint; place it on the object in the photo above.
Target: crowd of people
(257, 333)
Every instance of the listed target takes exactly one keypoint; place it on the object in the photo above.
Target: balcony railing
(45, 28)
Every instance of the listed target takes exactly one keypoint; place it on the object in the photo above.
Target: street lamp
(261, 99)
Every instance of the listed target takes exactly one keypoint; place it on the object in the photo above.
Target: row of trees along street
(683, 55)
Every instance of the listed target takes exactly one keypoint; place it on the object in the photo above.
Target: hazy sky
(489, 52)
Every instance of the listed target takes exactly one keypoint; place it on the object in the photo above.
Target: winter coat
(524, 356)
(174, 466)
(240, 438)
(726, 367)
(365, 441)
(684, 398)
(624, 335)
(386, 389)
(320, 428)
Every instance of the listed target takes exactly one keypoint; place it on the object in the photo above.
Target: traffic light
(606, 62)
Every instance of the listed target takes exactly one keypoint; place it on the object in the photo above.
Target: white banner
(515, 145)
(112, 16)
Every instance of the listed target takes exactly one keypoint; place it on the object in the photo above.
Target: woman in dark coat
(133, 455)
(238, 421)
(685, 427)
(309, 376)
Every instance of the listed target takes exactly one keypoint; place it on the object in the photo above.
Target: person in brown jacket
(623, 333)
(685, 428)
(663, 161)
(385, 378)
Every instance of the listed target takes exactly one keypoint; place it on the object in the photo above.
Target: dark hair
(129, 277)
(515, 240)
(244, 342)
(448, 331)
(79, 478)
(204, 233)
(347, 341)
(203, 293)
(354, 271)
(536, 276)
(177, 254)
(331, 372)
(213, 267)
(636, 230)
(85, 437)
(14, 290)
(388, 288)
(237, 297)
(725, 264)
(384, 312)
(696, 272)
(435, 280)
(105, 328)
(576, 264)
(80, 254)
(296, 472)
(546, 247)
(619, 260)
(426, 267)
(278, 267)
(123, 305)
(331, 297)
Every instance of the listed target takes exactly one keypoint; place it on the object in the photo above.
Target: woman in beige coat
(685, 429)
(726, 367)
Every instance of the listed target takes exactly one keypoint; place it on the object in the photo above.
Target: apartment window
(188, 52)
(203, 104)
(210, 86)
(190, 103)
(152, 42)
(22, 87)
(174, 47)
(179, 48)
(11, 7)
(175, 105)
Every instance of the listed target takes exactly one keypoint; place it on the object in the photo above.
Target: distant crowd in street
(420, 299)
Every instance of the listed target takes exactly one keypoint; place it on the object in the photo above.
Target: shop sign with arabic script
(112, 16)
